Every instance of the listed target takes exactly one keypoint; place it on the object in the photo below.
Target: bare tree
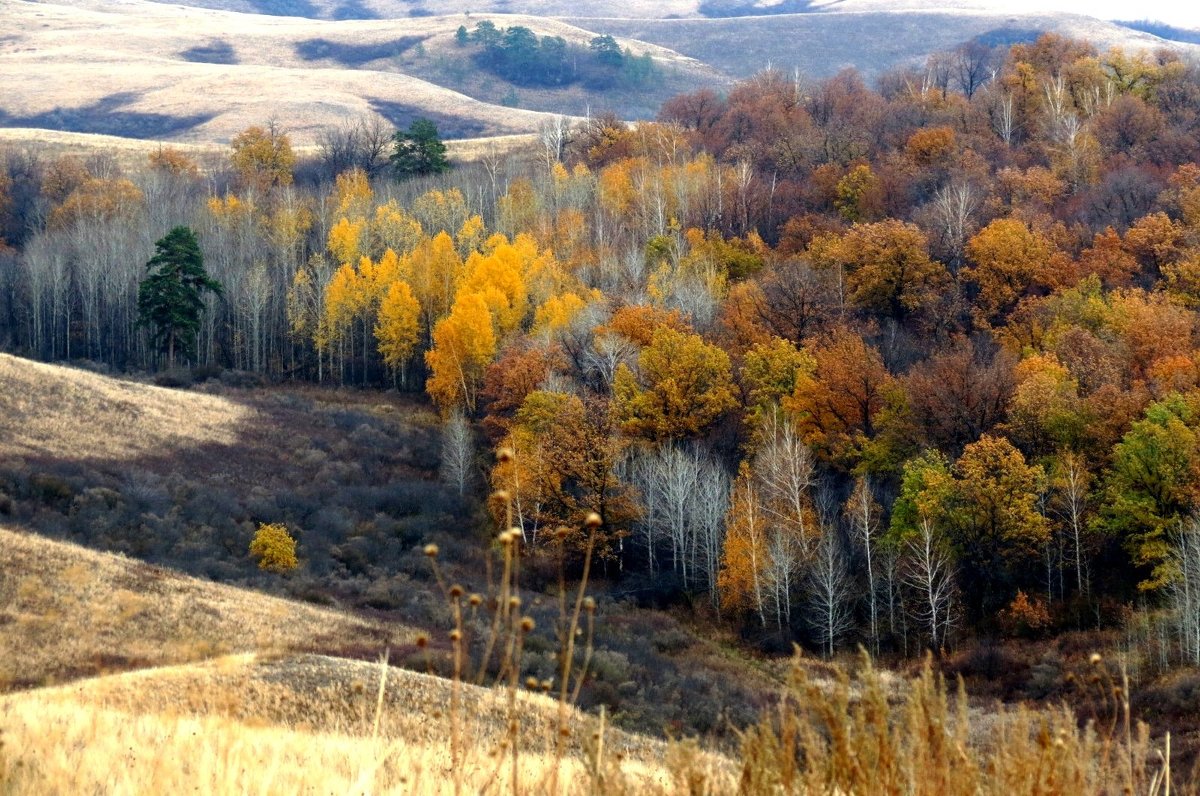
(954, 208)
(830, 592)
(929, 572)
(685, 494)
(360, 143)
(864, 515)
(1070, 504)
(972, 64)
(458, 453)
(554, 135)
(1184, 590)
(784, 469)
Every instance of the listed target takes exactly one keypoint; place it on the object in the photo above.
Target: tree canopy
(171, 296)
(419, 151)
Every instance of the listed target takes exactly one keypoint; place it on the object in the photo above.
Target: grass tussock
(61, 413)
(67, 612)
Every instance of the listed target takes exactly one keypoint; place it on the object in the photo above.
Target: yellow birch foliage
(470, 236)
(98, 200)
(432, 270)
(498, 277)
(274, 548)
(345, 241)
(392, 228)
(346, 298)
(352, 194)
(557, 312)
(683, 384)
(262, 157)
(399, 325)
(464, 342)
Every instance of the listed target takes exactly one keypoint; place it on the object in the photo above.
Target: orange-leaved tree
(464, 342)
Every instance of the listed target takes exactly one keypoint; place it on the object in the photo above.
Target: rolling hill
(155, 668)
(202, 71)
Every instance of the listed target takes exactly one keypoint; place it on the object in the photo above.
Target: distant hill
(204, 70)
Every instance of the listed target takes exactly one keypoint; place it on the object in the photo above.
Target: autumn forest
(897, 365)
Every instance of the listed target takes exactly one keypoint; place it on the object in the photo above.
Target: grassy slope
(872, 41)
(48, 411)
(162, 71)
(68, 611)
(321, 723)
(148, 70)
(219, 677)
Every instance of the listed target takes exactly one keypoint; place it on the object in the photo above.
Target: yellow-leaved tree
(274, 548)
(497, 277)
(263, 157)
(681, 386)
(398, 327)
(741, 581)
(464, 342)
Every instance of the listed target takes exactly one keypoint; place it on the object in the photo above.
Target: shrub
(274, 548)
(1024, 617)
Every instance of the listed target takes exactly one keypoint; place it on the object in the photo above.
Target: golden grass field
(229, 701)
(66, 611)
(62, 413)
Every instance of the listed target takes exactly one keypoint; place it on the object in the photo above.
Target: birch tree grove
(1184, 590)
(684, 495)
(830, 592)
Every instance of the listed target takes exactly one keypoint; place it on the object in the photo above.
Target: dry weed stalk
(504, 647)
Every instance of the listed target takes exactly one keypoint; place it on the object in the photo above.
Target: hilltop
(203, 71)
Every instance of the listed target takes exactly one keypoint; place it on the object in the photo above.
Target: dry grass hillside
(870, 40)
(148, 70)
(203, 71)
(52, 412)
(230, 681)
(67, 612)
(306, 724)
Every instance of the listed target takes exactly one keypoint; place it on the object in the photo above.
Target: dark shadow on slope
(105, 117)
(723, 9)
(355, 54)
(353, 9)
(1162, 30)
(216, 52)
(285, 8)
(1007, 37)
(401, 116)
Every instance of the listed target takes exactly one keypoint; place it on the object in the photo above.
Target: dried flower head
(475, 600)
(431, 550)
(527, 624)
(505, 455)
(457, 591)
(422, 641)
(593, 520)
